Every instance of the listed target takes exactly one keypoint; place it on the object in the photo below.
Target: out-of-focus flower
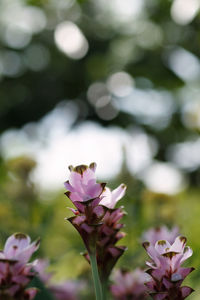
(160, 233)
(66, 290)
(15, 271)
(40, 266)
(165, 269)
(18, 247)
(129, 285)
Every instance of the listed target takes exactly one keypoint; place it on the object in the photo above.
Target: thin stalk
(104, 289)
(95, 275)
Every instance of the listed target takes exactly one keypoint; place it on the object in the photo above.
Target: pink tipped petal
(109, 199)
(82, 184)
(187, 253)
(118, 193)
(75, 197)
(93, 166)
(15, 243)
(162, 246)
(106, 197)
(94, 190)
(179, 244)
(26, 253)
(69, 187)
(152, 253)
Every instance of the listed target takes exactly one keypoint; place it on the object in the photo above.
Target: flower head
(15, 273)
(168, 257)
(96, 218)
(82, 185)
(19, 247)
(165, 268)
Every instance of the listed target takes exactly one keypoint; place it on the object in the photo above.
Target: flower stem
(104, 289)
(95, 275)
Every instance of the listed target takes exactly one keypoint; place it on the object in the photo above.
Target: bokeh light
(71, 40)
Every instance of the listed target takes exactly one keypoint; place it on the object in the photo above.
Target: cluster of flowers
(162, 281)
(15, 271)
(98, 222)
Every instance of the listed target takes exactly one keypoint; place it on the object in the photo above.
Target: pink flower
(165, 268)
(15, 273)
(96, 218)
(18, 247)
(67, 290)
(110, 198)
(40, 266)
(168, 257)
(129, 285)
(82, 185)
(160, 233)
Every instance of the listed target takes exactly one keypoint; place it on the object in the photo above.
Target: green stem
(104, 289)
(95, 275)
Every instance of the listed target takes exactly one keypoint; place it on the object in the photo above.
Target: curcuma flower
(129, 285)
(166, 271)
(92, 201)
(82, 185)
(96, 218)
(15, 271)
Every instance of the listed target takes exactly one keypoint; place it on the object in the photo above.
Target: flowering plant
(15, 271)
(166, 271)
(98, 221)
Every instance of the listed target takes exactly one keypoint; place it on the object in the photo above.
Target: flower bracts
(166, 271)
(96, 219)
(15, 271)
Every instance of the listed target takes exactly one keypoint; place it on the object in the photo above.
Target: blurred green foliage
(35, 75)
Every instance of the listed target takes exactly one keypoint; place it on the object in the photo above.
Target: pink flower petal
(162, 246)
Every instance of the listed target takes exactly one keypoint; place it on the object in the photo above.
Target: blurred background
(115, 82)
